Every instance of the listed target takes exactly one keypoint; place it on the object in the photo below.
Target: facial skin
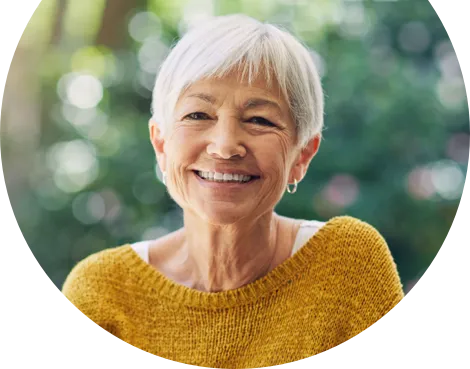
(224, 125)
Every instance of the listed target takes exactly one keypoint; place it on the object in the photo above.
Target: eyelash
(265, 121)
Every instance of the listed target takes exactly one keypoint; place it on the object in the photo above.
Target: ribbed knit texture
(339, 283)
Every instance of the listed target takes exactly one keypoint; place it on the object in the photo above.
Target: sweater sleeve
(87, 287)
(377, 285)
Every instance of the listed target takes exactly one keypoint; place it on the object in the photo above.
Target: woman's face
(231, 149)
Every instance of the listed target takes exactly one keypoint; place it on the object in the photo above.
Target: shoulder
(359, 257)
(354, 235)
(359, 244)
(367, 260)
(93, 281)
(101, 265)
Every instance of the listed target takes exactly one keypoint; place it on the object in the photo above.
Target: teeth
(224, 177)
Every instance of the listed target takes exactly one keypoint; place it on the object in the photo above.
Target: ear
(156, 138)
(303, 159)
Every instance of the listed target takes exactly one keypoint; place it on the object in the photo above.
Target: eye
(193, 115)
(262, 120)
(265, 122)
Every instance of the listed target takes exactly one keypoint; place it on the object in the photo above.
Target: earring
(291, 191)
(164, 178)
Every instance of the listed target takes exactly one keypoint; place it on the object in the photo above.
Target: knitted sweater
(339, 283)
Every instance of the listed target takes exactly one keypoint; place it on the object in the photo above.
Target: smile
(225, 177)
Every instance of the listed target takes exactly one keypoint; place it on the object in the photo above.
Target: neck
(225, 257)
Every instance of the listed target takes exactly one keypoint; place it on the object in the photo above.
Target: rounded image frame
(81, 175)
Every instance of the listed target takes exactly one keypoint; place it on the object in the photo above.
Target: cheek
(182, 145)
(182, 149)
(187, 146)
(273, 158)
(184, 135)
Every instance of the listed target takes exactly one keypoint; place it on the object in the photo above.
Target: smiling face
(231, 149)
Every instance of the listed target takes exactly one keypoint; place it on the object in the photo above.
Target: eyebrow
(249, 104)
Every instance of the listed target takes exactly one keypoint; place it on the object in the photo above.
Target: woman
(238, 115)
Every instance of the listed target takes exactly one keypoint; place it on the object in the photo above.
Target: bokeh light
(451, 93)
(414, 37)
(419, 183)
(152, 54)
(457, 147)
(448, 179)
(194, 13)
(89, 207)
(355, 22)
(74, 164)
(144, 25)
(342, 190)
(85, 91)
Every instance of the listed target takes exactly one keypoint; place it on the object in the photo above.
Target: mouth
(216, 177)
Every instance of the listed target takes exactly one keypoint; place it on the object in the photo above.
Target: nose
(226, 139)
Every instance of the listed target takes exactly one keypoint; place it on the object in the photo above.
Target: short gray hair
(237, 41)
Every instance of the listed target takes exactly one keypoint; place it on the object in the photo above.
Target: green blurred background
(80, 170)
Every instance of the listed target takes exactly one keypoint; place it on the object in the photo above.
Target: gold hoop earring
(291, 191)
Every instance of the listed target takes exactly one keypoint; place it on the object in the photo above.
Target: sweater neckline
(157, 284)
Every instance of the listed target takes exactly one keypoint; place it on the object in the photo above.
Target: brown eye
(262, 121)
(193, 114)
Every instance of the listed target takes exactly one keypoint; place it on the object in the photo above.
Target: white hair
(223, 43)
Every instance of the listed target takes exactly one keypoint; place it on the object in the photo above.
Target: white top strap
(307, 229)
(142, 249)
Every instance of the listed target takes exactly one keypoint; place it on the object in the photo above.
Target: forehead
(252, 92)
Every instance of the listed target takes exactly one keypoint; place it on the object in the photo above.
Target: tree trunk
(113, 30)
(56, 35)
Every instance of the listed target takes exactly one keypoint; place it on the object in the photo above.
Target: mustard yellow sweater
(339, 283)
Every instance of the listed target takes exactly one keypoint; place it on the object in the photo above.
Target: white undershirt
(306, 230)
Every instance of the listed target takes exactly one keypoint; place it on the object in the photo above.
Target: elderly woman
(237, 119)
